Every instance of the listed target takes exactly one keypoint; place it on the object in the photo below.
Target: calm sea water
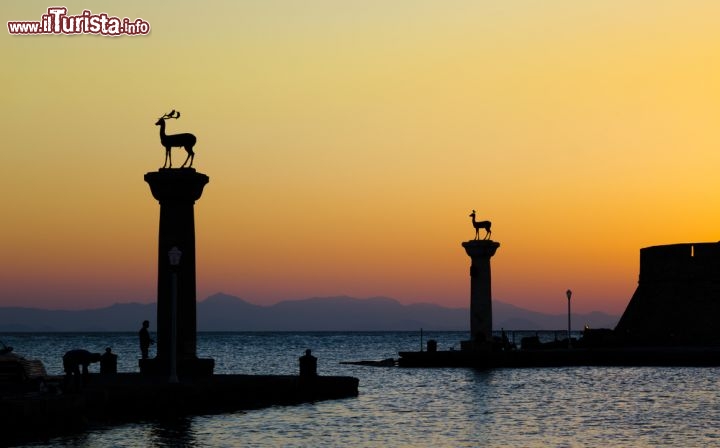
(578, 406)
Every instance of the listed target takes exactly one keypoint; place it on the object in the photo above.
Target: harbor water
(574, 406)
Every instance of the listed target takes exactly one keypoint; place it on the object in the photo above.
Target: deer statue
(481, 225)
(186, 141)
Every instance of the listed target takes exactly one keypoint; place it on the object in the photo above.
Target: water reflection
(173, 432)
(578, 406)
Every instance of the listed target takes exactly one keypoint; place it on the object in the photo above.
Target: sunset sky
(347, 142)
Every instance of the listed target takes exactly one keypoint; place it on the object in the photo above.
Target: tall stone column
(480, 252)
(176, 190)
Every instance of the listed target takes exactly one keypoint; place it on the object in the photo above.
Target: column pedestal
(177, 190)
(480, 252)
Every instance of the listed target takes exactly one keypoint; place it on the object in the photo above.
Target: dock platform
(123, 397)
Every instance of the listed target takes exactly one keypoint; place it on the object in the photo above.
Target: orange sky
(347, 142)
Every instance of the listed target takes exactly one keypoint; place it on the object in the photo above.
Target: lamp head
(174, 255)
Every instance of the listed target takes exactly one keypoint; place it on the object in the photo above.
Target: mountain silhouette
(222, 312)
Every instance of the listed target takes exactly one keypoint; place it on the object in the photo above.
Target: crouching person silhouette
(72, 361)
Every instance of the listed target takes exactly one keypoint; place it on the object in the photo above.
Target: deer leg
(190, 157)
(167, 153)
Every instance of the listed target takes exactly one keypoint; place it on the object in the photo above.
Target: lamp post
(174, 255)
(568, 293)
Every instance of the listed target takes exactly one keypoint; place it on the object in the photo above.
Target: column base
(186, 368)
(475, 346)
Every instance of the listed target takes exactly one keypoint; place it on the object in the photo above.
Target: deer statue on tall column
(186, 141)
(481, 225)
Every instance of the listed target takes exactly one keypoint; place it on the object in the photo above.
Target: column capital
(176, 184)
(480, 248)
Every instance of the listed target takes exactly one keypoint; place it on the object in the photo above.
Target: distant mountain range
(221, 312)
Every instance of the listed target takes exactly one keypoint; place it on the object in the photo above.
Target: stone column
(176, 190)
(480, 252)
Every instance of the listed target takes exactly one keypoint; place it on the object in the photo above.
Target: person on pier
(72, 360)
(308, 364)
(145, 340)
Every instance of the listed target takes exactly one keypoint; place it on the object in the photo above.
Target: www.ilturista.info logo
(56, 21)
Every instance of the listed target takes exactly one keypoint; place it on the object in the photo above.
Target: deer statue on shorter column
(481, 225)
(186, 141)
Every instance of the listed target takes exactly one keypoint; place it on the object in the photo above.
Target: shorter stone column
(480, 252)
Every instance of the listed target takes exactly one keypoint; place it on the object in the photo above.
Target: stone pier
(177, 190)
(480, 252)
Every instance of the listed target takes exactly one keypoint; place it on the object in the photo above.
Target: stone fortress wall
(677, 300)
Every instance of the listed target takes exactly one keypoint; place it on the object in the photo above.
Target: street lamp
(174, 256)
(568, 293)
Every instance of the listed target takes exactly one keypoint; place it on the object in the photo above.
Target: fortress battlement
(680, 262)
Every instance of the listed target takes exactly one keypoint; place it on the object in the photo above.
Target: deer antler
(172, 114)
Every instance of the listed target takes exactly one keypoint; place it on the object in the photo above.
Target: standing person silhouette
(145, 339)
(308, 364)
